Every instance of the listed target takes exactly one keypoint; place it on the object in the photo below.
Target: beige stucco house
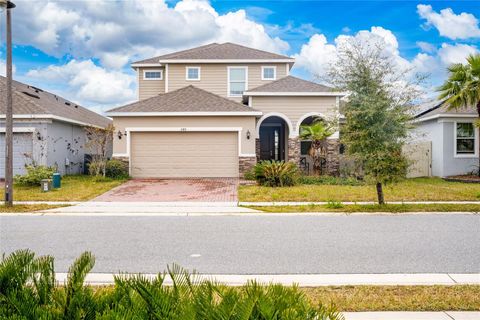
(215, 110)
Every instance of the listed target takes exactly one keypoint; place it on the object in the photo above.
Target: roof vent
(68, 103)
(76, 106)
(31, 94)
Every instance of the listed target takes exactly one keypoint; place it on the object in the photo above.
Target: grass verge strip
(18, 208)
(398, 298)
(393, 208)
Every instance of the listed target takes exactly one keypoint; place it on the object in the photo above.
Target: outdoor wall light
(39, 136)
(120, 134)
(248, 134)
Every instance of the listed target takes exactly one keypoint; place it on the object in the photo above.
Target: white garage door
(22, 144)
(184, 154)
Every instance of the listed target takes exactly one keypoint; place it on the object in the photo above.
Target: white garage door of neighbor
(184, 154)
(22, 144)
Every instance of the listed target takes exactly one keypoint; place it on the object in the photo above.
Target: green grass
(27, 208)
(419, 189)
(398, 298)
(394, 208)
(74, 188)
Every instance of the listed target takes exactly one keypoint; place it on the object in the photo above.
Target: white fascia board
(182, 114)
(51, 117)
(227, 61)
(138, 65)
(184, 129)
(294, 94)
(19, 130)
(445, 115)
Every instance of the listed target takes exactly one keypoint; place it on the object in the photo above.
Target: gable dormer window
(152, 74)
(192, 73)
(237, 81)
(269, 73)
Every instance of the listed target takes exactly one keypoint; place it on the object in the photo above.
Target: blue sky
(82, 49)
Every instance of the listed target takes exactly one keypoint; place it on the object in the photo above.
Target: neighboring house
(47, 130)
(215, 110)
(452, 138)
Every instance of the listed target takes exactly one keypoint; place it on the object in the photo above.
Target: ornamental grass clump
(28, 291)
(276, 173)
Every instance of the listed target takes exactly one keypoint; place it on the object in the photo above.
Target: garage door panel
(184, 154)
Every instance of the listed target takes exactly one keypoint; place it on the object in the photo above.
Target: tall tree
(99, 140)
(462, 88)
(377, 109)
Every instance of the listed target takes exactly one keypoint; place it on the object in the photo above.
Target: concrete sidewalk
(306, 203)
(313, 280)
(396, 315)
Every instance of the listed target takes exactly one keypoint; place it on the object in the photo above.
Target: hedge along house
(215, 110)
(47, 130)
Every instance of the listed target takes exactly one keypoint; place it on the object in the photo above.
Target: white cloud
(457, 53)
(449, 24)
(87, 83)
(426, 47)
(317, 55)
(117, 32)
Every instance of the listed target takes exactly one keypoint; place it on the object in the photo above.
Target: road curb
(402, 315)
(311, 280)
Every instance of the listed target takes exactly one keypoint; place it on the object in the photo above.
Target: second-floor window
(269, 73)
(237, 81)
(193, 73)
(153, 75)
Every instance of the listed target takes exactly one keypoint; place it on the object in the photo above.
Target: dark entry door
(271, 143)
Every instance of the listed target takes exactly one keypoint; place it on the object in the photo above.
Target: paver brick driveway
(205, 190)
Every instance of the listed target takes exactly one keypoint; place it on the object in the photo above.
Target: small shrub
(334, 205)
(95, 168)
(116, 169)
(34, 175)
(276, 173)
(330, 180)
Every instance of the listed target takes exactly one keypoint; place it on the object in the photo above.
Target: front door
(271, 143)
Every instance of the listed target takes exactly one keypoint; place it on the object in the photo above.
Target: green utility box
(56, 180)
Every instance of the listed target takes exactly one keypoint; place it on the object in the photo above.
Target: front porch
(278, 141)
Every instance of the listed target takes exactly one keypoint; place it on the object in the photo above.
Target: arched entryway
(273, 138)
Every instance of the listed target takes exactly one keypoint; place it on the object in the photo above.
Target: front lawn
(74, 188)
(419, 189)
(394, 208)
(398, 298)
(27, 208)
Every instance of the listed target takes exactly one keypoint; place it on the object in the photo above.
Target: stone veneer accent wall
(245, 164)
(257, 149)
(294, 150)
(333, 157)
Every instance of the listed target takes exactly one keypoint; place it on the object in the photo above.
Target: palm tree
(317, 132)
(462, 88)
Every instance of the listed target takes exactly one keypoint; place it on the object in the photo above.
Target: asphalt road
(255, 244)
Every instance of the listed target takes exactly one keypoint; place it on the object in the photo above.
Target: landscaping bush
(28, 291)
(34, 175)
(116, 169)
(330, 180)
(276, 173)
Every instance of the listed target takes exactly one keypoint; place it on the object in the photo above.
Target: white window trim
(154, 79)
(228, 80)
(274, 72)
(475, 143)
(192, 67)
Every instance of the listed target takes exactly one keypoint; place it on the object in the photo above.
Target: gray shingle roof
(187, 99)
(435, 107)
(291, 84)
(217, 51)
(29, 100)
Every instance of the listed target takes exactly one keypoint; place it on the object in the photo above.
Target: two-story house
(215, 110)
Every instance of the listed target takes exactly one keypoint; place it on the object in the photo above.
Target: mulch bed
(464, 178)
